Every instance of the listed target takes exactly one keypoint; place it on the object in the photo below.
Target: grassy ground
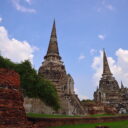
(101, 115)
(120, 124)
(63, 116)
(48, 116)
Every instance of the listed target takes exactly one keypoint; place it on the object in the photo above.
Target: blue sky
(84, 28)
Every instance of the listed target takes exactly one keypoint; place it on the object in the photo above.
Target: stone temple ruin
(109, 92)
(109, 96)
(53, 69)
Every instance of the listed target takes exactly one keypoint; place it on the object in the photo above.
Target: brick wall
(11, 101)
(48, 122)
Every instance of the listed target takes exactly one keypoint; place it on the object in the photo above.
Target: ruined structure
(109, 92)
(53, 69)
(92, 107)
(11, 101)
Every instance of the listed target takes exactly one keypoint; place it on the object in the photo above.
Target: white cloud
(81, 57)
(110, 7)
(14, 49)
(21, 8)
(123, 55)
(93, 51)
(76, 90)
(118, 67)
(101, 37)
(81, 97)
(1, 19)
(29, 1)
(105, 5)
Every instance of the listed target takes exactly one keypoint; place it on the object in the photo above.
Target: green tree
(33, 85)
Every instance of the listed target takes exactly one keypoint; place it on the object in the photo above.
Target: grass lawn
(101, 115)
(120, 124)
(63, 116)
(48, 116)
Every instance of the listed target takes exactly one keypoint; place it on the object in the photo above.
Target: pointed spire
(53, 45)
(122, 86)
(106, 69)
(53, 33)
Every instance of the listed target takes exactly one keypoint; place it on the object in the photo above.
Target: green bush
(33, 85)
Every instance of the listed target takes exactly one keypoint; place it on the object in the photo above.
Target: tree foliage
(33, 85)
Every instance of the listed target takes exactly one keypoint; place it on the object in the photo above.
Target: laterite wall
(48, 122)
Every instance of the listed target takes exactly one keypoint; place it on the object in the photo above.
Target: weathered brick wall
(11, 101)
(48, 122)
(9, 78)
(98, 108)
